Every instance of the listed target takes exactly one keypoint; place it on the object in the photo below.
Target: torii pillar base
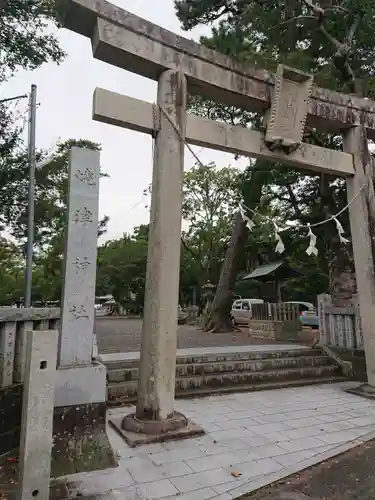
(137, 432)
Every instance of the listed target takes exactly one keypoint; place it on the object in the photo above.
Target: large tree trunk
(342, 279)
(219, 318)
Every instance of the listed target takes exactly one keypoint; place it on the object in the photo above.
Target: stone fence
(339, 326)
(14, 325)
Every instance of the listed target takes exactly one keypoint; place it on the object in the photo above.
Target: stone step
(133, 360)
(190, 369)
(216, 382)
(115, 400)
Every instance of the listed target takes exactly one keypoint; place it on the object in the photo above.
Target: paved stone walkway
(349, 476)
(258, 437)
(124, 335)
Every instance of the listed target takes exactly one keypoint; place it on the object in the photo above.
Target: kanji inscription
(86, 176)
(83, 216)
(81, 264)
(78, 312)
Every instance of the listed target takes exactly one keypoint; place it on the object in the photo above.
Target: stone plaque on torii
(289, 102)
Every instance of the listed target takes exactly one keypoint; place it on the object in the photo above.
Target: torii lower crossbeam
(134, 114)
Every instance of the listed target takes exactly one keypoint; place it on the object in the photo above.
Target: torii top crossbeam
(132, 43)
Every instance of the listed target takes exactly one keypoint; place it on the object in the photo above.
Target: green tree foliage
(210, 196)
(122, 268)
(51, 192)
(334, 41)
(26, 42)
(11, 272)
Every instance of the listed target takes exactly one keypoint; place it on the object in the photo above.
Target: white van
(241, 310)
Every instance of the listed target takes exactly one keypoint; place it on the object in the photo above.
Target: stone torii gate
(289, 102)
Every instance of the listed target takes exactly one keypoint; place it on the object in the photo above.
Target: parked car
(307, 314)
(241, 310)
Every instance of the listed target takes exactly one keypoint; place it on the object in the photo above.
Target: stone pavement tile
(149, 491)
(211, 419)
(214, 461)
(202, 494)
(209, 427)
(253, 468)
(300, 413)
(302, 432)
(268, 428)
(232, 434)
(337, 437)
(234, 444)
(202, 480)
(183, 444)
(289, 459)
(276, 437)
(178, 455)
(94, 482)
(335, 426)
(302, 444)
(362, 431)
(235, 424)
(267, 451)
(147, 472)
(359, 403)
(331, 410)
(228, 487)
(334, 417)
(255, 440)
(273, 417)
(239, 413)
(362, 421)
(303, 422)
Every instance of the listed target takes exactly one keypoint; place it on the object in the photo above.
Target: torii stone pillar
(355, 142)
(155, 413)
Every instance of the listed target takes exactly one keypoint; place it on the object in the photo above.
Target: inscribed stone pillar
(355, 142)
(37, 415)
(78, 298)
(159, 333)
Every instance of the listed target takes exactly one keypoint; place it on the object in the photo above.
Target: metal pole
(31, 197)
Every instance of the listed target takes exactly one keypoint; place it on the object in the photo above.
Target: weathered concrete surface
(78, 297)
(80, 385)
(209, 73)
(355, 142)
(28, 314)
(37, 415)
(135, 114)
(80, 440)
(159, 333)
(138, 438)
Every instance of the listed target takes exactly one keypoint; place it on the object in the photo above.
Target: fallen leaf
(236, 474)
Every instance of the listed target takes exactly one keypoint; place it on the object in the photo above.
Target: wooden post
(355, 142)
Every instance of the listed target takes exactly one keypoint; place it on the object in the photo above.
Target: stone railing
(275, 312)
(275, 321)
(14, 325)
(339, 326)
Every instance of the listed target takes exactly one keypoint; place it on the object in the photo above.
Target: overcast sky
(65, 97)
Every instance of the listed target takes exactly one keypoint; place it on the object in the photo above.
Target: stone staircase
(206, 371)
